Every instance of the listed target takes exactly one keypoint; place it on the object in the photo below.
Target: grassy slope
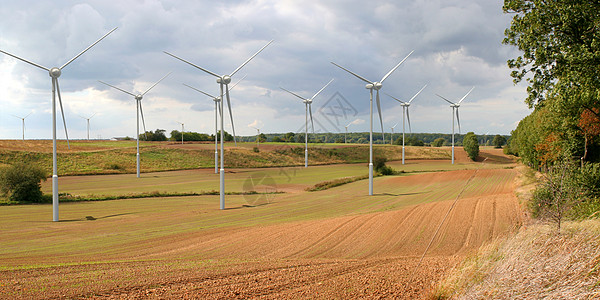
(115, 157)
(536, 263)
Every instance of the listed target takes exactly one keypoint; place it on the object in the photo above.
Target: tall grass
(536, 263)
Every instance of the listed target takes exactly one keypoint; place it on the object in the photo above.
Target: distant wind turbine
(55, 73)
(88, 124)
(345, 139)
(405, 106)
(307, 106)
(257, 136)
(138, 99)
(23, 121)
(217, 100)
(455, 107)
(182, 131)
(392, 135)
(373, 85)
(223, 81)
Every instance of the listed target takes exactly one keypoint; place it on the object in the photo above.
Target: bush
(438, 142)
(380, 167)
(21, 182)
(255, 149)
(471, 145)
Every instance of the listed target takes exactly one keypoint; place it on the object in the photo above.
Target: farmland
(334, 243)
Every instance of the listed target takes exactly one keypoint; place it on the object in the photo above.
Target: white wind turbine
(88, 124)
(217, 100)
(373, 85)
(257, 136)
(182, 130)
(308, 110)
(392, 135)
(139, 111)
(55, 72)
(23, 121)
(223, 80)
(345, 134)
(405, 113)
(455, 107)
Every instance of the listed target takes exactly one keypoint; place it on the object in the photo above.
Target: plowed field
(337, 243)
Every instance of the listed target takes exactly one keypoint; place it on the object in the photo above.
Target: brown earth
(369, 255)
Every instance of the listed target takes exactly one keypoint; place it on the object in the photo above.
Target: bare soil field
(338, 243)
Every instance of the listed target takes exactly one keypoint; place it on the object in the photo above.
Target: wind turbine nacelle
(218, 99)
(224, 80)
(369, 86)
(138, 97)
(377, 85)
(55, 72)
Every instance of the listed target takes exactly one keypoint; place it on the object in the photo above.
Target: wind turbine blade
(357, 76)
(395, 126)
(88, 48)
(465, 96)
(62, 113)
(417, 94)
(16, 116)
(396, 67)
(232, 86)
(444, 99)
(144, 93)
(408, 118)
(303, 99)
(251, 57)
(143, 121)
(349, 124)
(313, 97)
(380, 117)
(92, 116)
(395, 98)
(230, 114)
(312, 123)
(24, 60)
(197, 90)
(114, 87)
(196, 66)
(458, 120)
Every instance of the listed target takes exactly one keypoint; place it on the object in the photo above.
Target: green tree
(559, 40)
(471, 145)
(498, 141)
(21, 182)
(158, 135)
(438, 142)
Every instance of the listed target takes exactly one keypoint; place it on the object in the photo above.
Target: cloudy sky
(456, 43)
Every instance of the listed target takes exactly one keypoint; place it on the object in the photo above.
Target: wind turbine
(346, 140)
(257, 136)
(373, 85)
(55, 72)
(138, 99)
(392, 135)
(182, 130)
(307, 107)
(217, 100)
(88, 124)
(23, 120)
(223, 80)
(405, 113)
(455, 107)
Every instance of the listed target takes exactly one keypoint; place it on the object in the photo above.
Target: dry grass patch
(538, 262)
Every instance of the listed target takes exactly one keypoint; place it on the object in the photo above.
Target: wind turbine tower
(405, 106)
(23, 122)
(373, 85)
(307, 106)
(138, 99)
(223, 81)
(217, 100)
(55, 73)
(455, 107)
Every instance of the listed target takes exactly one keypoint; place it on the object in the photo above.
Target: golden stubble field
(337, 243)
